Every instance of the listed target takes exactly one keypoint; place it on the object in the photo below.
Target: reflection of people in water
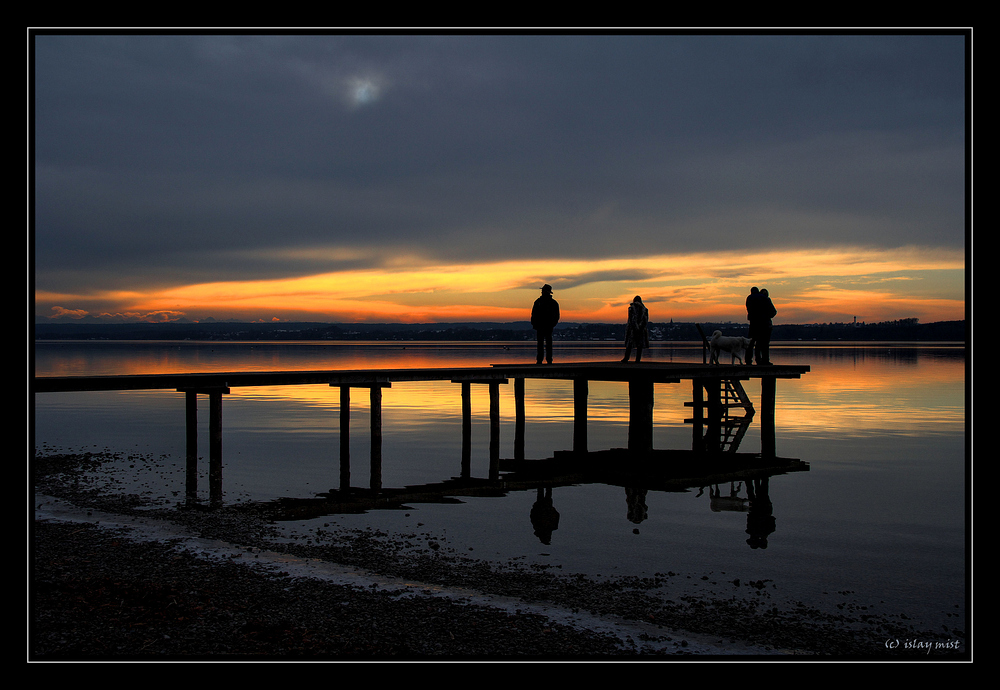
(719, 503)
(760, 517)
(636, 501)
(544, 516)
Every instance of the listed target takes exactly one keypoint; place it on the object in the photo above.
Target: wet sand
(113, 579)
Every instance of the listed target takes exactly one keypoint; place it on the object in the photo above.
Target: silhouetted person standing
(760, 311)
(636, 329)
(752, 300)
(544, 317)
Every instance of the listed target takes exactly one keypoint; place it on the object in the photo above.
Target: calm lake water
(879, 518)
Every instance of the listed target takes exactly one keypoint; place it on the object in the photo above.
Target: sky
(439, 178)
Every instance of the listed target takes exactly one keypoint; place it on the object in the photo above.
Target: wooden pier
(716, 389)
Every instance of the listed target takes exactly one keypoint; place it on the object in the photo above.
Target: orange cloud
(830, 285)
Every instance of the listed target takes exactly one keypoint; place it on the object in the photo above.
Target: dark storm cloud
(202, 157)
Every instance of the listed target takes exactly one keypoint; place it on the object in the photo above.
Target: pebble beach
(113, 579)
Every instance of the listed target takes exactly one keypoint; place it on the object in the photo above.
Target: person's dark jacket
(544, 313)
(760, 309)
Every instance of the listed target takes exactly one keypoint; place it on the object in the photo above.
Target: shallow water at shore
(877, 520)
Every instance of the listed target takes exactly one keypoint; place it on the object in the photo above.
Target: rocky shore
(115, 579)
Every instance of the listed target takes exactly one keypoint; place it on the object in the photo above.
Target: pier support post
(191, 427)
(494, 386)
(713, 389)
(466, 429)
(581, 389)
(698, 425)
(345, 438)
(640, 416)
(519, 419)
(767, 396)
(494, 430)
(215, 444)
(215, 394)
(375, 396)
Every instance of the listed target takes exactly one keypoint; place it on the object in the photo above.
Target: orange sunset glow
(807, 286)
(434, 179)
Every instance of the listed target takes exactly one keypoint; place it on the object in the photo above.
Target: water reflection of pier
(716, 391)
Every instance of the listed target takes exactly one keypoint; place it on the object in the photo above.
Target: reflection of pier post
(640, 417)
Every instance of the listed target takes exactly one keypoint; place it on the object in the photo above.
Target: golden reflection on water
(833, 399)
(841, 396)
(849, 390)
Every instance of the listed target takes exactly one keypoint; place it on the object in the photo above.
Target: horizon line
(98, 322)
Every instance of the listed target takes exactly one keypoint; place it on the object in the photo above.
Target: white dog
(735, 345)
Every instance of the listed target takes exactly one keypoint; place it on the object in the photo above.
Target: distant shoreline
(905, 330)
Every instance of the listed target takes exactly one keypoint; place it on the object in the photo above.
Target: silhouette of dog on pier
(735, 345)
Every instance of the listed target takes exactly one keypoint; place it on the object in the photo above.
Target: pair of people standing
(760, 311)
(545, 316)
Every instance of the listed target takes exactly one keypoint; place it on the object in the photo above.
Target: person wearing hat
(636, 329)
(544, 317)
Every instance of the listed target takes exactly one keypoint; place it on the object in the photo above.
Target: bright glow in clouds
(807, 286)
(363, 91)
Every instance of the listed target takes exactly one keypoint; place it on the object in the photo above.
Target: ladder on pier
(729, 394)
(732, 394)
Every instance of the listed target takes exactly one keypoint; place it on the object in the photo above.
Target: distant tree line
(903, 329)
